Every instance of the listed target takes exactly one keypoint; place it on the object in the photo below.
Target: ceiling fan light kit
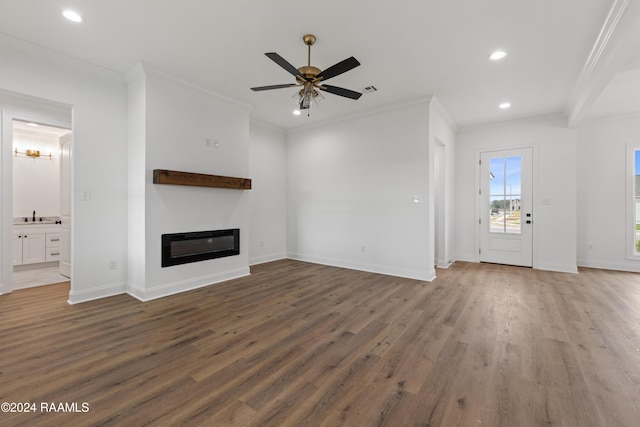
(311, 78)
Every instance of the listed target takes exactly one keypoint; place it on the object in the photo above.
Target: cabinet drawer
(53, 240)
(52, 254)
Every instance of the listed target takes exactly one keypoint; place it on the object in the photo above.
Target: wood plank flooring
(298, 344)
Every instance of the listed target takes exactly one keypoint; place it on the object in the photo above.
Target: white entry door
(506, 208)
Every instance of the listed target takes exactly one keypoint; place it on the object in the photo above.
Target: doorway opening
(41, 202)
(28, 109)
(440, 212)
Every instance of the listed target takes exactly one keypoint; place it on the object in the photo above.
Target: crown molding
(610, 118)
(547, 118)
(148, 70)
(437, 106)
(597, 70)
(407, 103)
(256, 122)
(60, 58)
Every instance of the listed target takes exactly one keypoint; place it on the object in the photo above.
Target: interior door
(65, 205)
(506, 209)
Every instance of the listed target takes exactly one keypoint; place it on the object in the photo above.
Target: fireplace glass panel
(181, 248)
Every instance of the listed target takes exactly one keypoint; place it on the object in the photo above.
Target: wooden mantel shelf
(163, 176)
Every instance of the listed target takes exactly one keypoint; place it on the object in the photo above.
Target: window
(636, 202)
(633, 202)
(505, 195)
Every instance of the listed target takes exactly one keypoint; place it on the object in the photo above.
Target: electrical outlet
(113, 264)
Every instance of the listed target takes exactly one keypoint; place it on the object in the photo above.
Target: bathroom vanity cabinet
(36, 243)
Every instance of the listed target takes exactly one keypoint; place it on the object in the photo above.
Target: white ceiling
(408, 49)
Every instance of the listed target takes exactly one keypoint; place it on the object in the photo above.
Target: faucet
(34, 216)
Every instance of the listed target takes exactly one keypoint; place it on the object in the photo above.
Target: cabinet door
(17, 249)
(33, 248)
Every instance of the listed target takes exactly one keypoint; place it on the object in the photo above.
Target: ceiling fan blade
(339, 68)
(259, 88)
(347, 93)
(283, 63)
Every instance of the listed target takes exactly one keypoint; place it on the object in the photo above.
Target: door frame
(534, 195)
(8, 114)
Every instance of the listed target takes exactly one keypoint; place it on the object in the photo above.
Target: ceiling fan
(312, 78)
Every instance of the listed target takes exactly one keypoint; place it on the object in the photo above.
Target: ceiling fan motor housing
(309, 72)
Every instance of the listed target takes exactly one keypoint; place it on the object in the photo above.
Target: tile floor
(37, 277)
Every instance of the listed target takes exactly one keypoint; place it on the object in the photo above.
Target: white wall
(555, 179)
(99, 103)
(36, 181)
(351, 187)
(268, 196)
(136, 170)
(602, 192)
(442, 141)
(178, 121)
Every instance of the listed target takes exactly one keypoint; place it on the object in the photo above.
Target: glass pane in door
(505, 177)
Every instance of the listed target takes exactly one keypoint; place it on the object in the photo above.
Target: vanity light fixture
(497, 55)
(72, 15)
(32, 153)
(504, 105)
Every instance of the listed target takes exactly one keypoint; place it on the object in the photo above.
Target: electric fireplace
(182, 248)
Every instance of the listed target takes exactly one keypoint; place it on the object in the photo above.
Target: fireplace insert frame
(174, 240)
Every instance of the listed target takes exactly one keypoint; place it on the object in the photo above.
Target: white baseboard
(99, 292)
(468, 258)
(267, 258)
(606, 265)
(444, 264)
(428, 276)
(559, 268)
(185, 285)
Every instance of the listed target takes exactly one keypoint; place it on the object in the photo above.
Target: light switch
(86, 196)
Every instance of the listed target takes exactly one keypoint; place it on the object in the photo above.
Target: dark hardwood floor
(298, 344)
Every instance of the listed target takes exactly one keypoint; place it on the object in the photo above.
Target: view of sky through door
(505, 187)
(636, 196)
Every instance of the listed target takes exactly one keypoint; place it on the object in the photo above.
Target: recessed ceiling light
(296, 112)
(497, 55)
(504, 105)
(72, 16)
